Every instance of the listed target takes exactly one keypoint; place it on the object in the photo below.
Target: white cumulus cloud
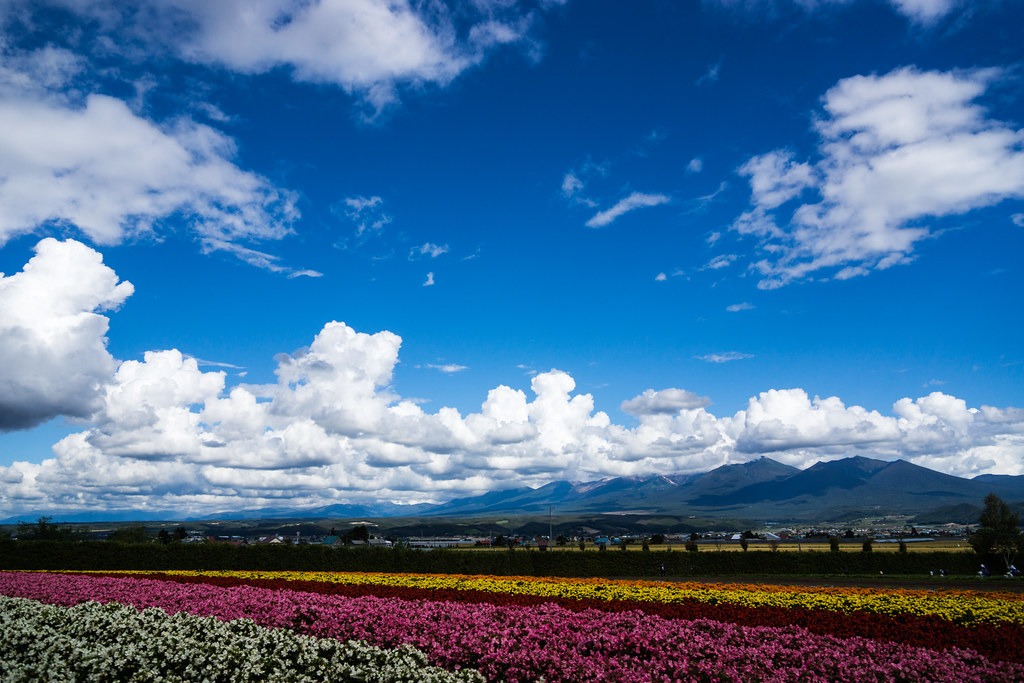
(339, 380)
(112, 174)
(53, 346)
(146, 411)
(667, 401)
(784, 420)
(896, 150)
(366, 47)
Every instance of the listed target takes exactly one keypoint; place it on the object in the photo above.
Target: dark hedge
(153, 556)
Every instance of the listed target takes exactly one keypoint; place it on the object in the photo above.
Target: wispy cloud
(720, 261)
(710, 197)
(655, 136)
(260, 259)
(736, 308)
(922, 12)
(711, 75)
(446, 368)
(366, 213)
(637, 200)
(925, 11)
(701, 204)
(662, 277)
(429, 249)
(696, 165)
(573, 186)
(304, 273)
(215, 364)
(726, 357)
(429, 282)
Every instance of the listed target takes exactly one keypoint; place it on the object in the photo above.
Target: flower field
(956, 606)
(113, 642)
(528, 629)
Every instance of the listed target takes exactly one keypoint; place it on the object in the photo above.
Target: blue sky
(309, 252)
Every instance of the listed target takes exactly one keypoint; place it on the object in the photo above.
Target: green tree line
(105, 555)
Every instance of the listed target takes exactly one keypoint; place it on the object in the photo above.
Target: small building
(442, 542)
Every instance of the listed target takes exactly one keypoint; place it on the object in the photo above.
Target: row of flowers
(995, 641)
(957, 606)
(524, 643)
(114, 642)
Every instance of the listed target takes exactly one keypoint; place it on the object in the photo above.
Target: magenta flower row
(517, 643)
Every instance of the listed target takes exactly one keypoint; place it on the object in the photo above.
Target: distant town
(770, 538)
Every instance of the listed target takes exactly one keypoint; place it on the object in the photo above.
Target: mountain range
(762, 489)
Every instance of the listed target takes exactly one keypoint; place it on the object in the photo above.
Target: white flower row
(113, 642)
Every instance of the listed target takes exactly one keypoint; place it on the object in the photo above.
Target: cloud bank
(895, 151)
(161, 433)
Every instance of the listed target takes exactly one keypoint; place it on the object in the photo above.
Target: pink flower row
(515, 643)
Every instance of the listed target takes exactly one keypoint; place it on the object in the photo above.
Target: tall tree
(136, 533)
(999, 533)
(44, 530)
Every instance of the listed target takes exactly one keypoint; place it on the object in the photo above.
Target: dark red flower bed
(1002, 642)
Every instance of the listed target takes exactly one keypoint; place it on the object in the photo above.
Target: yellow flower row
(958, 606)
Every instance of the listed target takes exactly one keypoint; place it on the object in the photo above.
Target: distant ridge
(760, 489)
